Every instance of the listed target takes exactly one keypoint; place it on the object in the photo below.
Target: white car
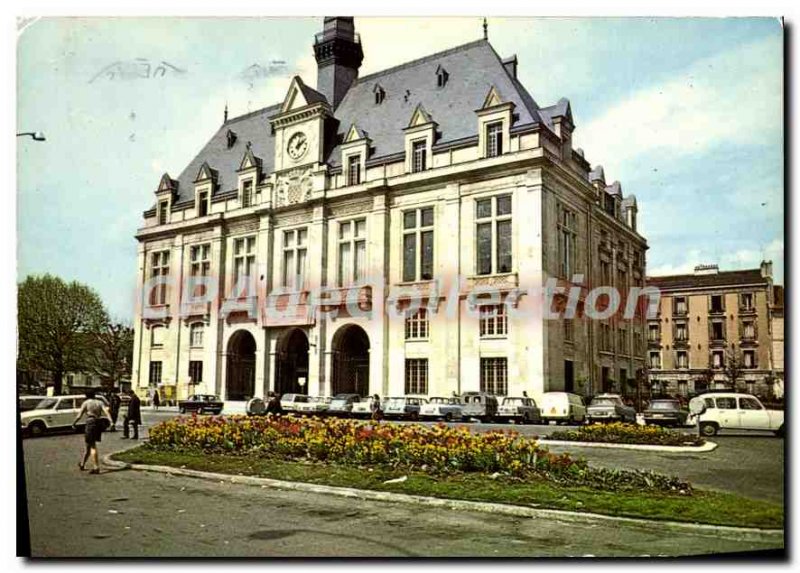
(290, 402)
(734, 411)
(53, 413)
(442, 408)
(316, 405)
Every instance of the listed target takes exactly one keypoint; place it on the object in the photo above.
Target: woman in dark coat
(133, 416)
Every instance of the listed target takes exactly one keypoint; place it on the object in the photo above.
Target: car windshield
(665, 405)
(321, 399)
(46, 404)
(395, 402)
(512, 402)
(438, 401)
(604, 402)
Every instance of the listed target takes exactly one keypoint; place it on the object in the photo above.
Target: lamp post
(35, 135)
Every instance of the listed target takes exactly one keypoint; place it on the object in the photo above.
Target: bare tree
(733, 367)
(112, 357)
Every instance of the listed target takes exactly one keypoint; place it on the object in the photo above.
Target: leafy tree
(113, 353)
(734, 365)
(56, 321)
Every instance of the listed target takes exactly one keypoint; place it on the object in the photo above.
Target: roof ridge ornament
(485, 29)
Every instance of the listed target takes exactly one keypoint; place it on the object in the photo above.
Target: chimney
(338, 52)
(510, 64)
(706, 270)
(766, 269)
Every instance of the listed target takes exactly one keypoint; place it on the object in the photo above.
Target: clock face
(298, 145)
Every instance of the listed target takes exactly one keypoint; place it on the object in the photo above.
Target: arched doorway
(351, 361)
(240, 377)
(291, 363)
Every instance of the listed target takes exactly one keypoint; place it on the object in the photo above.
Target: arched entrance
(350, 361)
(240, 379)
(291, 363)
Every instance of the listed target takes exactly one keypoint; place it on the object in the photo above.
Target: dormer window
(494, 139)
(419, 154)
(163, 212)
(380, 95)
(441, 77)
(230, 138)
(354, 170)
(202, 204)
(247, 193)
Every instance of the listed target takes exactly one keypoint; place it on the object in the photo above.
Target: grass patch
(701, 507)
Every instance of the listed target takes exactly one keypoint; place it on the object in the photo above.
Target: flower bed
(621, 433)
(434, 450)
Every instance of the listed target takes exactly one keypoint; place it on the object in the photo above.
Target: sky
(686, 113)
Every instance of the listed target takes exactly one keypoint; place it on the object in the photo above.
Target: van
(479, 405)
(562, 407)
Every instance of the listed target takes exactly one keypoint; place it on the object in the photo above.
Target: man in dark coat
(114, 403)
(133, 416)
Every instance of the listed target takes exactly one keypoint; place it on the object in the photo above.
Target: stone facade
(708, 319)
(380, 194)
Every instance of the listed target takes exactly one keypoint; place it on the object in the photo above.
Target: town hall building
(335, 241)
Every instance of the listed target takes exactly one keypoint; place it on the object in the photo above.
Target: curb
(707, 447)
(715, 531)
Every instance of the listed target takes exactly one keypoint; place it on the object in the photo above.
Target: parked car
(441, 408)
(342, 404)
(734, 411)
(27, 403)
(289, 402)
(53, 413)
(663, 412)
(519, 409)
(610, 408)
(201, 403)
(405, 407)
(315, 405)
(362, 408)
(562, 407)
(479, 405)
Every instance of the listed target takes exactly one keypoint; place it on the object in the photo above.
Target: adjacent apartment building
(368, 212)
(713, 325)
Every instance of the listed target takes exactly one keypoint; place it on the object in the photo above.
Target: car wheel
(414, 416)
(37, 429)
(780, 432)
(182, 410)
(200, 412)
(448, 417)
(708, 429)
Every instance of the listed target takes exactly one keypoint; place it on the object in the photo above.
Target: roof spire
(485, 29)
(225, 118)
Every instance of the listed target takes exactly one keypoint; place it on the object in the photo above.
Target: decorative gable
(354, 134)
(300, 96)
(492, 98)
(419, 117)
(249, 160)
(205, 173)
(167, 185)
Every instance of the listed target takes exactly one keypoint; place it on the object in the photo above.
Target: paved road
(130, 513)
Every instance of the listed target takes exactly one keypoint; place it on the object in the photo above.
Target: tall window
(202, 204)
(354, 170)
(159, 269)
(681, 331)
(416, 375)
(494, 376)
(605, 337)
(718, 330)
(683, 359)
(247, 193)
(493, 234)
(653, 332)
(655, 360)
(196, 371)
(157, 336)
(196, 331)
(244, 263)
(352, 251)
(717, 359)
(622, 340)
(567, 242)
(155, 373)
(493, 320)
(494, 139)
(569, 330)
(419, 153)
(417, 325)
(679, 305)
(294, 258)
(717, 303)
(748, 330)
(418, 244)
(163, 212)
(746, 301)
(200, 266)
(749, 357)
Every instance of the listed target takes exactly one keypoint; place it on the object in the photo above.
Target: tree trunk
(57, 380)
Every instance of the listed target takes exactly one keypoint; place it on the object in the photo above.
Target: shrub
(621, 433)
(435, 449)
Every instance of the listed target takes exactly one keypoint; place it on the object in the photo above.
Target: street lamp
(36, 135)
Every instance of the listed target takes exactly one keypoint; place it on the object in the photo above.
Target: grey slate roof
(597, 174)
(472, 69)
(721, 279)
(614, 189)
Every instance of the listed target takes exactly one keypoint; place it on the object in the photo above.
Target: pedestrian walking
(94, 411)
(114, 403)
(156, 399)
(375, 408)
(133, 416)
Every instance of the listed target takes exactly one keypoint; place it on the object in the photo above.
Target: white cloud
(729, 97)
